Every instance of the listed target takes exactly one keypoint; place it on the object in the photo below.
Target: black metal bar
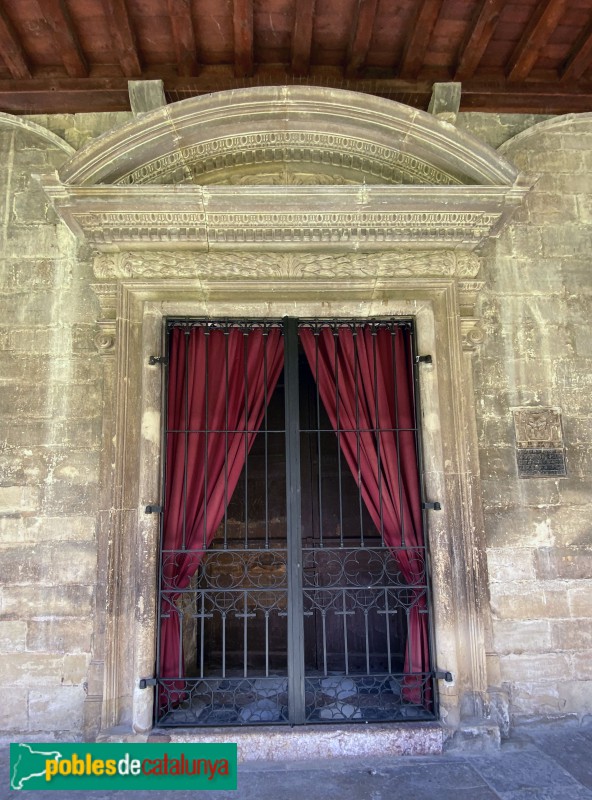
(294, 515)
(186, 436)
(158, 360)
(319, 453)
(358, 433)
(338, 425)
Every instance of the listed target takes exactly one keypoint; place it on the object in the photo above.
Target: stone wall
(51, 418)
(537, 351)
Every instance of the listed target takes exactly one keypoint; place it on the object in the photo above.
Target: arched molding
(27, 126)
(554, 125)
(203, 139)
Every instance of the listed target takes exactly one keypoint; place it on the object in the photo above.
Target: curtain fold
(219, 384)
(365, 381)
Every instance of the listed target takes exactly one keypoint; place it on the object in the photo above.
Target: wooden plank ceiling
(510, 55)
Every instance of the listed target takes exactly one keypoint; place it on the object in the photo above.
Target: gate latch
(158, 360)
(154, 509)
(423, 360)
(431, 506)
(441, 675)
(146, 682)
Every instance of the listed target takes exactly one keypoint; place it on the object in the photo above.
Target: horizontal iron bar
(423, 360)
(146, 682)
(154, 509)
(431, 506)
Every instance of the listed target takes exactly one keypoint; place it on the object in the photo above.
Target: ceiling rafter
(537, 33)
(580, 58)
(359, 43)
(302, 36)
(420, 32)
(59, 20)
(477, 38)
(242, 17)
(122, 31)
(11, 49)
(183, 36)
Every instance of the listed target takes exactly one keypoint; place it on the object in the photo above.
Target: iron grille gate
(288, 591)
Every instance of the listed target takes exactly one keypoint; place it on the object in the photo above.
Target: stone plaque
(540, 463)
(539, 442)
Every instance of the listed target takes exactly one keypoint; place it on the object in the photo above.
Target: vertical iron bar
(338, 426)
(267, 644)
(367, 641)
(324, 621)
(246, 467)
(377, 432)
(206, 432)
(357, 399)
(186, 435)
(223, 644)
(319, 454)
(266, 445)
(388, 631)
(398, 436)
(345, 648)
(202, 634)
(226, 335)
(296, 709)
(245, 637)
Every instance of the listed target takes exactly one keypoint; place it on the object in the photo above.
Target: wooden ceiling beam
(359, 43)
(122, 31)
(243, 38)
(302, 36)
(65, 36)
(11, 49)
(419, 34)
(541, 25)
(477, 38)
(183, 36)
(579, 59)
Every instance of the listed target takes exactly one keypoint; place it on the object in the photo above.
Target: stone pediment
(285, 167)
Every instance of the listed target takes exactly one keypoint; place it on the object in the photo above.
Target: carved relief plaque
(540, 450)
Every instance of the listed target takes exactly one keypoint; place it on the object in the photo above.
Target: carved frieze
(287, 266)
(209, 161)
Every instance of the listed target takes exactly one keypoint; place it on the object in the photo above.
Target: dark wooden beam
(419, 34)
(302, 36)
(580, 57)
(183, 36)
(65, 36)
(11, 50)
(359, 43)
(124, 38)
(477, 38)
(541, 25)
(70, 95)
(243, 38)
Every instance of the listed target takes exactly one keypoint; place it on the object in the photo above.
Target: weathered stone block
(522, 636)
(62, 498)
(18, 499)
(58, 710)
(534, 668)
(571, 634)
(579, 596)
(49, 563)
(32, 669)
(14, 711)
(511, 564)
(583, 665)
(12, 636)
(24, 602)
(57, 635)
(564, 562)
(575, 697)
(528, 600)
(519, 527)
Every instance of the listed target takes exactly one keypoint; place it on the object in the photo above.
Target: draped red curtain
(219, 384)
(365, 381)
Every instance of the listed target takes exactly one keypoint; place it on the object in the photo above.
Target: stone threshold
(274, 743)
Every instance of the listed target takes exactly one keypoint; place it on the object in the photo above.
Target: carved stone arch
(360, 137)
(364, 241)
(27, 126)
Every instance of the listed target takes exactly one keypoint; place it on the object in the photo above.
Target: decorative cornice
(312, 217)
(285, 266)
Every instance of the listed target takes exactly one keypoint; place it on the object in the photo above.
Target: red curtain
(219, 383)
(365, 381)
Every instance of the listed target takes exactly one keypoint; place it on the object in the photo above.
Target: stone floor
(539, 762)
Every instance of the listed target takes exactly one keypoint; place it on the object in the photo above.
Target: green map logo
(122, 766)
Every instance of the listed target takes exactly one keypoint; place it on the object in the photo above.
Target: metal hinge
(431, 506)
(146, 682)
(154, 509)
(441, 675)
(158, 360)
(423, 360)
